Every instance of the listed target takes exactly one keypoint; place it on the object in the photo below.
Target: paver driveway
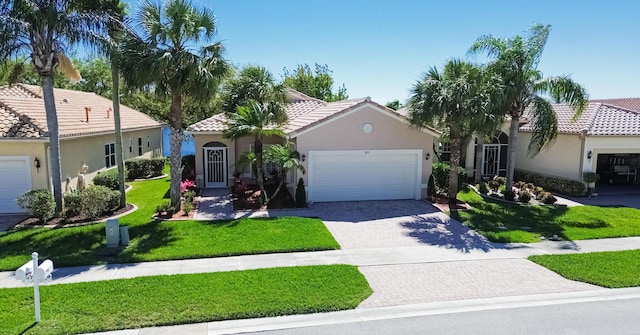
(396, 223)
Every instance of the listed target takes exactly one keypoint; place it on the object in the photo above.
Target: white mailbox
(25, 272)
(43, 272)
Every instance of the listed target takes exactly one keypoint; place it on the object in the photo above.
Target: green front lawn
(608, 269)
(503, 222)
(178, 299)
(162, 240)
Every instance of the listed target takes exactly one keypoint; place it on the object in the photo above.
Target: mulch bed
(282, 200)
(442, 203)
(62, 222)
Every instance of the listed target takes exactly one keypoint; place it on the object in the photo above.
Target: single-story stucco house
(605, 139)
(86, 129)
(351, 150)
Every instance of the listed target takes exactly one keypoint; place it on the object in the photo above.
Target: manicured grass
(178, 299)
(153, 240)
(503, 222)
(608, 269)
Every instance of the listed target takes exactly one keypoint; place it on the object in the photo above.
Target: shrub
(590, 177)
(519, 184)
(163, 207)
(509, 195)
(500, 180)
(39, 203)
(97, 200)
(548, 198)
(189, 167)
(301, 194)
(187, 185)
(72, 204)
(189, 196)
(483, 188)
(537, 191)
(109, 179)
(187, 207)
(441, 177)
(142, 168)
(570, 187)
(524, 196)
(431, 187)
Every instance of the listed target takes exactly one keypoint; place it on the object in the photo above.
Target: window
(130, 145)
(109, 155)
(267, 167)
(139, 146)
(148, 142)
(445, 151)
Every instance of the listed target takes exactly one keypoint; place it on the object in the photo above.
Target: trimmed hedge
(142, 168)
(109, 179)
(564, 186)
(39, 203)
(96, 200)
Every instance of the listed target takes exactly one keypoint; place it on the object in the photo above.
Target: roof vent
(65, 100)
(86, 111)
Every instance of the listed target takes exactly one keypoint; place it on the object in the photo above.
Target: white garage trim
(15, 179)
(354, 175)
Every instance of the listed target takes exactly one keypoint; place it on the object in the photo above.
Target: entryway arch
(494, 156)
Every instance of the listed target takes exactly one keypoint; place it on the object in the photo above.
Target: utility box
(113, 233)
(124, 235)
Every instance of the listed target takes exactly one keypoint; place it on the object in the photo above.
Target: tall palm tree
(516, 61)
(458, 99)
(253, 83)
(258, 120)
(164, 55)
(41, 30)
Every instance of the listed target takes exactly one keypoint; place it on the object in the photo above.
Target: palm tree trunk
(54, 140)
(479, 163)
(257, 146)
(115, 97)
(455, 140)
(283, 173)
(511, 150)
(175, 137)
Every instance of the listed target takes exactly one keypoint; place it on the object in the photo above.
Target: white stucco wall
(561, 160)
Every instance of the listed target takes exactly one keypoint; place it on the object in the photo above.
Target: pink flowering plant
(186, 185)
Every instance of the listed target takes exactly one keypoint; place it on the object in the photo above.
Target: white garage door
(15, 179)
(352, 175)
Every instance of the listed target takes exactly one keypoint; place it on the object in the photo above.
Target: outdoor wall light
(36, 163)
(589, 154)
(304, 157)
(427, 156)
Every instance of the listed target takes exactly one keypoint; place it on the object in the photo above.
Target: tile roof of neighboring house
(632, 104)
(598, 119)
(22, 113)
(302, 110)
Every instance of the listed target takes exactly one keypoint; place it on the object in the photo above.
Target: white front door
(352, 175)
(215, 167)
(15, 179)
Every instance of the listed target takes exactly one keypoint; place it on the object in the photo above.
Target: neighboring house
(352, 150)
(605, 139)
(86, 128)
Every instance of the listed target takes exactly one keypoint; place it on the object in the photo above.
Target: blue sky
(379, 48)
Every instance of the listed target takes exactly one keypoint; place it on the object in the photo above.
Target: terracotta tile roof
(24, 104)
(303, 112)
(598, 119)
(632, 104)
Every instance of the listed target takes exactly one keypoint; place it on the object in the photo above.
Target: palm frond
(564, 90)
(67, 68)
(544, 126)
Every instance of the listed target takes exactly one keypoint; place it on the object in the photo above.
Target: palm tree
(163, 56)
(40, 31)
(458, 99)
(258, 120)
(253, 83)
(286, 159)
(516, 61)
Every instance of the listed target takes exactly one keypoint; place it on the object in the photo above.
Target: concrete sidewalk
(358, 257)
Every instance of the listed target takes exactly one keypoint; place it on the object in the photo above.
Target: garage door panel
(370, 175)
(15, 179)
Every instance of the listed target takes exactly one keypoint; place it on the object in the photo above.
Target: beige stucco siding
(202, 139)
(90, 151)
(33, 149)
(346, 133)
(561, 160)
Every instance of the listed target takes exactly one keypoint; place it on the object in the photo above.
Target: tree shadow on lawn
(145, 238)
(449, 234)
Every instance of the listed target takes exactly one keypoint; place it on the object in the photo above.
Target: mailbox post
(31, 272)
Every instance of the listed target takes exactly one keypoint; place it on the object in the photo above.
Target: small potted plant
(591, 178)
